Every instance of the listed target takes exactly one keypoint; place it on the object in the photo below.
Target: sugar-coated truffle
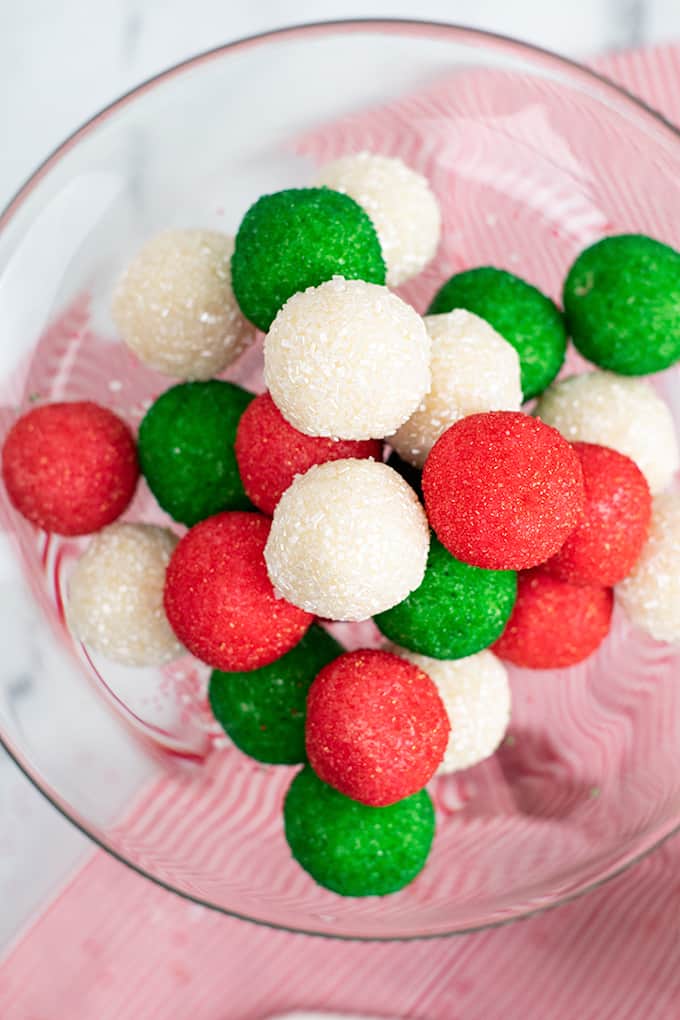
(412, 475)
(376, 727)
(219, 600)
(502, 490)
(71, 467)
(348, 360)
(651, 594)
(624, 414)
(523, 316)
(401, 204)
(353, 849)
(622, 304)
(296, 239)
(348, 540)
(115, 595)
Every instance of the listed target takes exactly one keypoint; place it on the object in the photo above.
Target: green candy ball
(523, 316)
(186, 449)
(622, 304)
(352, 849)
(264, 711)
(456, 611)
(296, 239)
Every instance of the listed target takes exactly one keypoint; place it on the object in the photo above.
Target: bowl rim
(466, 35)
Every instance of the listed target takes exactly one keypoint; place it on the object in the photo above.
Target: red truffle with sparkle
(70, 468)
(502, 490)
(605, 546)
(554, 624)
(220, 601)
(376, 727)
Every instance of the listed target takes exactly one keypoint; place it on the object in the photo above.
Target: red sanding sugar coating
(502, 490)
(220, 601)
(376, 727)
(70, 468)
(554, 623)
(605, 546)
(270, 452)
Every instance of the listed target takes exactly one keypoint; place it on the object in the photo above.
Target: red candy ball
(270, 452)
(554, 624)
(220, 601)
(376, 727)
(502, 490)
(70, 468)
(605, 546)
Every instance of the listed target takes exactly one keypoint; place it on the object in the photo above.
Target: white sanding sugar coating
(616, 411)
(476, 694)
(174, 306)
(400, 203)
(115, 601)
(348, 539)
(473, 369)
(347, 360)
(650, 595)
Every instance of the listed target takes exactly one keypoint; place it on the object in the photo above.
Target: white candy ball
(476, 695)
(623, 413)
(348, 360)
(473, 369)
(400, 203)
(174, 306)
(349, 539)
(116, 595)
(650, 595)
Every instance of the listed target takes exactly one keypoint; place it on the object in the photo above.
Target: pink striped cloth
(111, 946)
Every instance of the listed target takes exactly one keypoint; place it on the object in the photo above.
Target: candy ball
(651, 594)
(476, 696)
(523, 316)
(347, 360)
(186, 449)
(622, 304)
(412, 475)
(554, 624)
(271, 453)
(263, 711)
(502, 490)
(456, 610)
(376, 727)
(219, 600)
(70, 468)
(174, 306)
(400, 203)
(606, 544)
(624, 414)
(296, 239)
(473, 369)
(115, 602)
(348, 539)
(352, 849)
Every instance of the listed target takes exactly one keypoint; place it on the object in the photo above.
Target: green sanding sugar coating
(264, 711)
(622, 303)
(296, 239)
(456, 611)
(522, 315)
(186, 449)
(350, 848)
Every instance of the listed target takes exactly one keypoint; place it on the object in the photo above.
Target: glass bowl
(532, 157)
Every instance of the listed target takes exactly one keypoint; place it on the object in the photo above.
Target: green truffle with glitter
(296, 239)
(353, 849)
(622, 304)
(263, 711)
(523, 316)
(186, 449)
(457, 609)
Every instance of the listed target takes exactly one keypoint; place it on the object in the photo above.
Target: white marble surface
(60, 63)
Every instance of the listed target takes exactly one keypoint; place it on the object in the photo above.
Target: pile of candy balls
(390, 470)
